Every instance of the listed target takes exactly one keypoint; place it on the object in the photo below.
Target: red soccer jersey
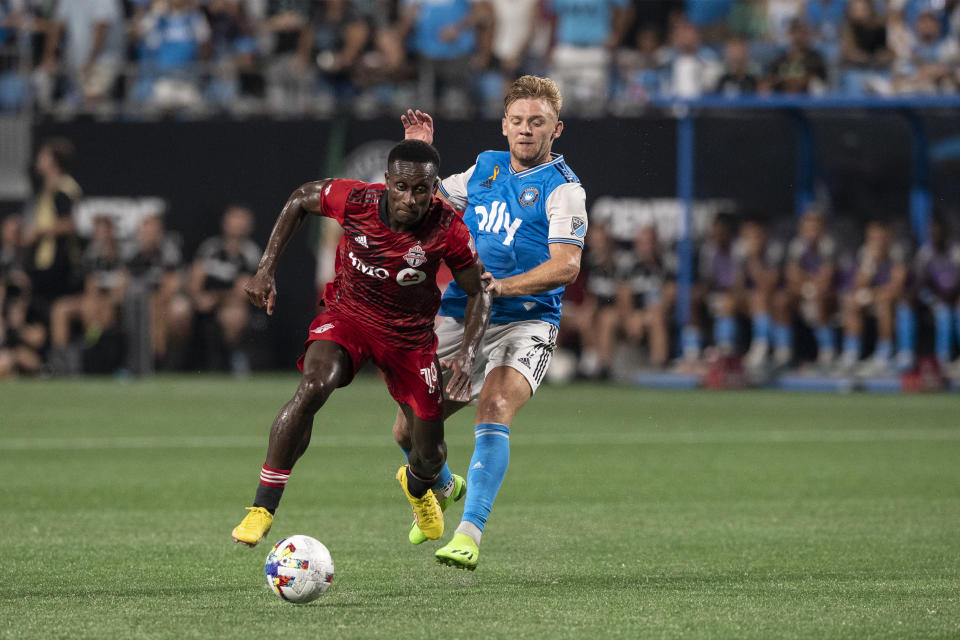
(387, 280)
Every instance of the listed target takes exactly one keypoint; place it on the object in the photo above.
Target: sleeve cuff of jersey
(579, 243)
(443, 191)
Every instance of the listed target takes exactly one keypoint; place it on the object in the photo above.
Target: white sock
(444, 492)
(472, 530)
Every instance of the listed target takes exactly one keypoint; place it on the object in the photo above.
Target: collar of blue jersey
(555, 158)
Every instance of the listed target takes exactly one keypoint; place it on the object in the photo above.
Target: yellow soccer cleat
(459, 491)
(461, 552)
(253, 527)
(426, 510)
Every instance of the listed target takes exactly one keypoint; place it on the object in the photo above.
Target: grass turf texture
(625, 513)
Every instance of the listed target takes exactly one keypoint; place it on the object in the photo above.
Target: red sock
(270, 489)
(274, 477)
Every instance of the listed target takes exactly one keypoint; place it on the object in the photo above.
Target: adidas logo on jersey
(322, 328)
(362, 241)
(497, 219)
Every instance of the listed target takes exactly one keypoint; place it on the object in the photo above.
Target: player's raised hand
(417, 125)
(491, 285)
(261, 289)
(459, 386)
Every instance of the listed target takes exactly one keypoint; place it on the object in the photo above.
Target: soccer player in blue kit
(526, 211)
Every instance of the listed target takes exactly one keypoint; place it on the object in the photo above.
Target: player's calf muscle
(427, 460)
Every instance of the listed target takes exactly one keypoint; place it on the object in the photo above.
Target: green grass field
(625, 513)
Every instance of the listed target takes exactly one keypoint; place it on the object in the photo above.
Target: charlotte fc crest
(416, 256)
(528, 196)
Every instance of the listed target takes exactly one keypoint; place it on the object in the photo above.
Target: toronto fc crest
(416, 256)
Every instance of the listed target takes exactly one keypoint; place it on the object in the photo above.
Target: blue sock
(956, 321)
(942, 325)
(851, 346)
(491, 453)
(690, 341)
(724, 331)
(782, 336)
(906, 328)
(761, 327)
(442, 480)
(883, 350)
(825, 337)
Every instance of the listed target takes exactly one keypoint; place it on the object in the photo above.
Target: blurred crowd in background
(108, 303)
(842, 302)
(864, 303)
(138, 58)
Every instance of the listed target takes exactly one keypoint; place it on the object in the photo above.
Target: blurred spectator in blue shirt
(704, 13)
(586, 33)
(89, 35)
(175, 36)
(639, 68)
(450, 38)
(234, 53)
(825, 19)
(343, 29)
(290, 72)
(925, 65)
(694, 68)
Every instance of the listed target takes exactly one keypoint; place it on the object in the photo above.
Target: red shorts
(412, 375)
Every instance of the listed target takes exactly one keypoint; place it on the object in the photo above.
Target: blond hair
(536, 88)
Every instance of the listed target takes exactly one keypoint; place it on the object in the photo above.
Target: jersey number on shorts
(430, 376)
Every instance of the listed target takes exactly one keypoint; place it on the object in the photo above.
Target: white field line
(812, 436)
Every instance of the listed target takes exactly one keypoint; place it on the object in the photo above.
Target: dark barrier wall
(200, 167)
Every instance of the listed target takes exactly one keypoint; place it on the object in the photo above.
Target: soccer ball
(299, 569)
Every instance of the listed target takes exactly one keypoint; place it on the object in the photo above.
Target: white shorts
(525, 346)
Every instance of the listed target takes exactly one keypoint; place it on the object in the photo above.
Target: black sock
(418, 487)
(268, 497)
(270, 489)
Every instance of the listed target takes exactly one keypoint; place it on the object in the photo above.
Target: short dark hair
(727, 219)
(414, 151)
(62, 151)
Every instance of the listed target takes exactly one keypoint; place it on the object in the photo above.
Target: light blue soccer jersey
(514, 217)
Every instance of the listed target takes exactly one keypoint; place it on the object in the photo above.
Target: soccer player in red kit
(380, 307)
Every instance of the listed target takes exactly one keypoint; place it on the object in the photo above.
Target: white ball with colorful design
(299, 569)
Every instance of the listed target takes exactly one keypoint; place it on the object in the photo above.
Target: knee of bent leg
(314, 390)
(495, 407)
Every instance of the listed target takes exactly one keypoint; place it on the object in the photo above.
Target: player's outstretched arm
(261, 289)
(476, 318)
(560, 270)
(417, 125)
